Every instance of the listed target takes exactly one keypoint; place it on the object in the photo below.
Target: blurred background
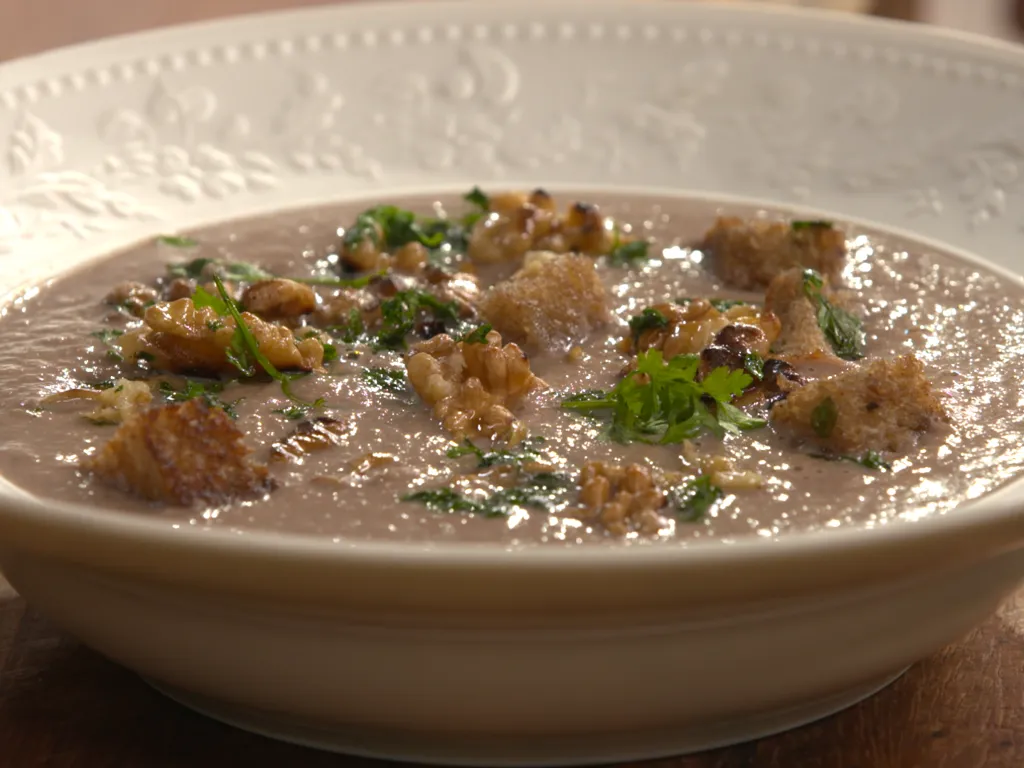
(28, 26)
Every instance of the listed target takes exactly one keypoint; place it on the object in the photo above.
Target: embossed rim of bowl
(116, 541)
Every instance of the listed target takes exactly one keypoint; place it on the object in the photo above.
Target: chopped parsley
(477, 335)
(720, 304)
(353, 328)
(385, 379)
(209, 391)
(844, 331)
(811, 224)
(244, 351)
(824, 417)
(480, 202)
(753, 364)
(389, 227)
(647, 320)
(402, 311)
(662, 402)
(868, 460)
(107, 336)
(626, 254)
(295, 412)
(694, 499)
(526, 452)
(177, 241)
(232, 271)
(544, 490)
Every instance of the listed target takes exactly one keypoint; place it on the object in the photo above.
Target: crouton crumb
(552, 302)
(181, 454)
(800, 333)
(747, 254)
(881, 406)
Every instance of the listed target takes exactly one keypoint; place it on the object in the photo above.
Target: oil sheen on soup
(517, 368)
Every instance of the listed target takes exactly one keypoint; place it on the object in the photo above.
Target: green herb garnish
(176, 241)
(626, 254)
(824, 417)
(694, 499)
(478, 198)
(545, 490)
(477, 335)
(401, 312)
(295, 412)
(812, 224)
(389, 227)
(107, 335)
(753, 364)
(385, 379)
(209, 391)
(868, 460)
(232, 271)
(844, 331)
(353, 329)
(527, 451)
(720, 304)
(662, 402)
(647, 320)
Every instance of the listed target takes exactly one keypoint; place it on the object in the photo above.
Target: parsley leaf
(177, 241)
(385, 379)
(352, 330)
(625, 254)
(647, 320)
(295, 412)
(401, 312)
(753, 364)
(526, 452)
(389, 227)
(477, 335)
(824, 417)
(476, 197)
(232, 271)
(720, 304)
(868, 460)
(664, 403)
(695, 498)
(207, 390)
(844, 331)
(107, 336)
(811, 224)
(544, 490)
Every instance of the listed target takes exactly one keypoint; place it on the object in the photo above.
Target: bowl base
(520, 751)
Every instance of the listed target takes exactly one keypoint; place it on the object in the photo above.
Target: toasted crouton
(801, 335)
(880, 407)
(180, 454)
(748, 254)
(554, 300)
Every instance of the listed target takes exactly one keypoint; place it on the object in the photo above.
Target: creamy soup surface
(385, 444)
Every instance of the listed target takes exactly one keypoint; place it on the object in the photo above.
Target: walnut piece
(115, 404)
(473, 388)
(520, 223)
(623, 498)
(181, 453)
(697, 326)
(279, 298)
(134, 297)
(183, 338)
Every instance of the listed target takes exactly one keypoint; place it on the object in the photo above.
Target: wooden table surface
(64, 706)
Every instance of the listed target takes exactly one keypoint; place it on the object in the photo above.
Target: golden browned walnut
(747, 254)
(520, 223)
(410, 259)
(473, 388)
(881, 406)
(279, 298)
(114, 404)
(696, 326)
(179, 288)
(134, 297)
(180, 337)
(801, 335)
(623, 498)
(308, 436)
(721, 470)
(180, 454)
(553, 301)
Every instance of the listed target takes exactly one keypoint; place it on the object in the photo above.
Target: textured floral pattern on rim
(873, 121)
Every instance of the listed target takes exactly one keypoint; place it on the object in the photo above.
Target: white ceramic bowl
(481, 654)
